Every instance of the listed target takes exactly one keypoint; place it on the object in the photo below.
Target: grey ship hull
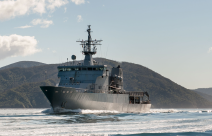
(69, 98)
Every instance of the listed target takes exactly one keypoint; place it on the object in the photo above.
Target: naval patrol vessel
(92, 86)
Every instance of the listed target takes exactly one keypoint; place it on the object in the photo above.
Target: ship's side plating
(69, 98)
(89, 85)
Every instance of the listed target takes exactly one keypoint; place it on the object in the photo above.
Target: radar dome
(73, 57)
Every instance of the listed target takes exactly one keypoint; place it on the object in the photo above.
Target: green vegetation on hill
(19, 87)
(205, 93)
(23, 64)
(13, 77)
(206, 96)
(25, 96)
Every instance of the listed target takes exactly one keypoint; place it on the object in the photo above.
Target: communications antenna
(89, 47)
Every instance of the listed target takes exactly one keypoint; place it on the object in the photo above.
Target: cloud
(12, 8)
(79, 18)
(43, 22)
(78, 2)
(65, 9)
(26, 26)
(210, 50)
(17, 45)
(56, 3)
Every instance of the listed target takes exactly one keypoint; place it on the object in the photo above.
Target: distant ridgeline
(20, 85)
(205, 93)
(23, 64)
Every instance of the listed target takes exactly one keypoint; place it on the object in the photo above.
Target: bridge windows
(60, 69)
(89, 68)
(77, 69)
(96, 69)
(82, 68)
(101, 69)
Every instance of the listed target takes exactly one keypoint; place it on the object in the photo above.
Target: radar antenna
(89, 47)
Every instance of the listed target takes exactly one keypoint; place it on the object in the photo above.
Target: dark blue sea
(157, 122)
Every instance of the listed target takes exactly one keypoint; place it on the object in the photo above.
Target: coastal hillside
(19, 87)
(27, 95)
(205, 93)
(205, 96)
(23, 64)
(204, 90)
(14, 77)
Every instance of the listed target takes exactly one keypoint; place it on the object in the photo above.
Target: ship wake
(81, 111)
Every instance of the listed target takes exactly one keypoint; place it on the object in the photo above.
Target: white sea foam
(106, 128)
(178, 111)
(48, 110)
(62, 110)
(39, 122)
(87, 111)
(20, 111)
(98, 111)
(164, 111)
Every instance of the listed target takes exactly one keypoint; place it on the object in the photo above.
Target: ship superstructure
(89, 85)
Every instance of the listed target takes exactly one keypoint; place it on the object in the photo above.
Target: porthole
(46, 90)
(67, 91)
(63, 91)
(56, 91)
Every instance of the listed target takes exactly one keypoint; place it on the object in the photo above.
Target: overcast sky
(173, 38)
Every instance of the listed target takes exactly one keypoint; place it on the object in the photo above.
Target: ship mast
(89, 47)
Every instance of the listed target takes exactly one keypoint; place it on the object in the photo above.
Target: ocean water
(156, 122)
